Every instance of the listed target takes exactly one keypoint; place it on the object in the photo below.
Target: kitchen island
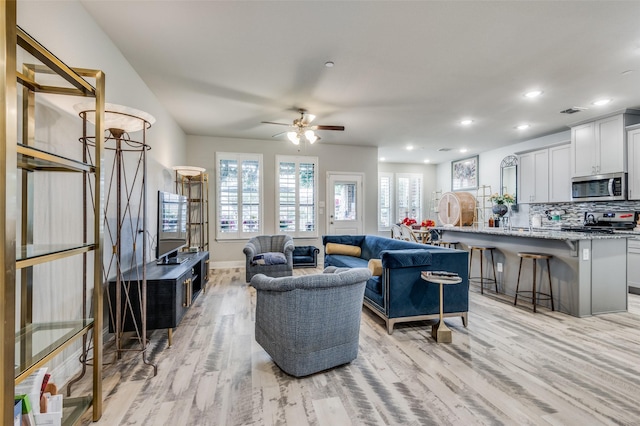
(588, 270)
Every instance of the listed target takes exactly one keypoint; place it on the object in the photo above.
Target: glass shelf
(53, 75)
(34, 254)
(30, 158)
(74, 408)
(37, 343)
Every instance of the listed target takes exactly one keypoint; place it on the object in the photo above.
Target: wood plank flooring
(508, 367)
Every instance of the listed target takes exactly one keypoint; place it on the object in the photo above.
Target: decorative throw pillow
(344, 249)
(269, 258)
(375, 266)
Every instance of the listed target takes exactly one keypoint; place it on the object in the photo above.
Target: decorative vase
(500, 209)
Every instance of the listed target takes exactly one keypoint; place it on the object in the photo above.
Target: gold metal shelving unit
(193, 183)
(483, 204)
(27, 344)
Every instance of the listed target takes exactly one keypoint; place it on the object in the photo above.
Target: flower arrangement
(502, 199)
(428, 223)
(408, 221)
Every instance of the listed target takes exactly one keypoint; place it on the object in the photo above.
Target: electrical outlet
(499, 267)
(585, 254)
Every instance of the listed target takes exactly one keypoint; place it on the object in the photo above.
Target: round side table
(440, 332)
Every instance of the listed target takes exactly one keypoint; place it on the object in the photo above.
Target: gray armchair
(269, 244)
(310, 323)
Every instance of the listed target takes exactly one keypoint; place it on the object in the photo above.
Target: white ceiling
(405, 73)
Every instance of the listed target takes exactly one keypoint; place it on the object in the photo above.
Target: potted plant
(501, 203)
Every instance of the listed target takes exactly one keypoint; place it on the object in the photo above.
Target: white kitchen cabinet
(560, 173)
(633, 265)
(600, 146)
(633, 140)
(583, 140)
(533, 177)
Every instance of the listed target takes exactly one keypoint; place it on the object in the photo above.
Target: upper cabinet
(559, 174)
(633, 138)
(600, 146)
(543, 175)
(534, 177)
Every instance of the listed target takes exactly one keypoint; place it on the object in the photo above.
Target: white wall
(332, 158)
(489, 168)
(65, 29)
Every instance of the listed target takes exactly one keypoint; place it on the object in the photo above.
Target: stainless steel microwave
(608, 187)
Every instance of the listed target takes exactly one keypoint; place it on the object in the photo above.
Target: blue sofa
(399, 294)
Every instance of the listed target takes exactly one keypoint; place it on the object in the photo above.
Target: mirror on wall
(509, 176)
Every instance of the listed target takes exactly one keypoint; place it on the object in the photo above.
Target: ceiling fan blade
(320, 127)
(279, 134)
(272, 122)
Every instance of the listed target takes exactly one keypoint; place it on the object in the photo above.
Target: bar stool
(447, 244)
(481, 279)
(547, 296)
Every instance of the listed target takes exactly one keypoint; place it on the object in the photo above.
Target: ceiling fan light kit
(302, 129)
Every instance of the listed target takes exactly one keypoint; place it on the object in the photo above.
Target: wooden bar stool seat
(534, 294)
(482, 280)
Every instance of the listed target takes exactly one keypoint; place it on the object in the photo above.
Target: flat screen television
(172, 227)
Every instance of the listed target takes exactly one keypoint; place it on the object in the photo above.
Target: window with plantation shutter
(297, 194)
(409, 196)
(399, 196)
(385, 197)
(239, 195)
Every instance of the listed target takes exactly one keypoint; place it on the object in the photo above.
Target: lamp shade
(189, 170)
(293, 137)
(311, 137)
(118, 116)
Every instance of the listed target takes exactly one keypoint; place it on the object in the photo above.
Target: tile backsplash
(575, 211)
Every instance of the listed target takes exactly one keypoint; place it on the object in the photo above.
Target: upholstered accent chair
(269, 247)
(310, 323)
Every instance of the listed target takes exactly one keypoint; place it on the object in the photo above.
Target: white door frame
(360, 202)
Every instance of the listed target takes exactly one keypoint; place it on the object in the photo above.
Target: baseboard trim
(227, 264)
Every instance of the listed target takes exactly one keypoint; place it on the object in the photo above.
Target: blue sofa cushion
(405, 258)
(343, 261)
(373, 246)
(373, 290)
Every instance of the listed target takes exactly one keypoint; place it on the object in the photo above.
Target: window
(407, 188)
(296, 195)
(239, 212)
(385, 200)
(409, 196)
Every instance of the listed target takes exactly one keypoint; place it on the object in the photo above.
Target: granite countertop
(543, 233)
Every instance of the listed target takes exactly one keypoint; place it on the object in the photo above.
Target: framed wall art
(464, 174)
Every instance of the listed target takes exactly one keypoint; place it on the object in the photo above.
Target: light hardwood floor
(509, 367)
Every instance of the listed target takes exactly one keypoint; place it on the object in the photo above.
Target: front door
(345, 213)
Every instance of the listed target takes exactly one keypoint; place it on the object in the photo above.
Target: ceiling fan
(302, 127)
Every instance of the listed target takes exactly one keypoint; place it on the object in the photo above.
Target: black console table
(171, 289)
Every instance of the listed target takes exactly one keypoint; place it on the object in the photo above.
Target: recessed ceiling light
(523, 126)
(409, 147)
(533, 94)
(601, 102)
(427, 160)
(382, 158)
(466, 122)
(329, 64)
(463, 150)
